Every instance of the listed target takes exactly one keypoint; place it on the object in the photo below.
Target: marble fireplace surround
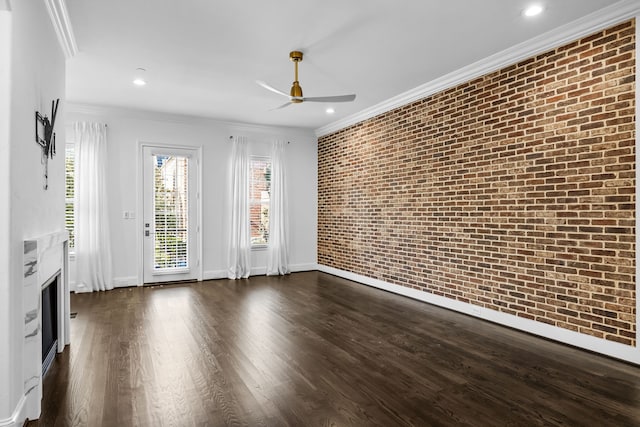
(44, 258)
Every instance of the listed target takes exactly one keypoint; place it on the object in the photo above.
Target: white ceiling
(203, 57)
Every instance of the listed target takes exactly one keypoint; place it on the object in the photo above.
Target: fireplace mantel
(44, 257)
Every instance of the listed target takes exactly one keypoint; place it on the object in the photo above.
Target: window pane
(171, 211)
(68, 220)
(259, 194)
(69, 171)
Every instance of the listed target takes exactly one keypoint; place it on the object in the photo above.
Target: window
(171, 211)
(69, 173)
(259, 194)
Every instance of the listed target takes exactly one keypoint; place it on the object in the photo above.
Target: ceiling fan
(295, 95)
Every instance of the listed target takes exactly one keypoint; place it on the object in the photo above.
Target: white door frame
(140, 204)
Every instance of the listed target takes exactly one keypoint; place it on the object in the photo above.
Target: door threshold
(169, 283)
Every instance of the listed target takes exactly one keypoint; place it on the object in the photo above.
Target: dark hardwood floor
(311, 349)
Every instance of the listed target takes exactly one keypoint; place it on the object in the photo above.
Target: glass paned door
(170, 224)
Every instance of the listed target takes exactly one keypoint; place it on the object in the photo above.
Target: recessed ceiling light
(330, 110)
(138, 77)
(533, 10)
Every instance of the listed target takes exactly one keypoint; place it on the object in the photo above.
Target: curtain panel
(239, 251)
(278, 247)
(93, 239)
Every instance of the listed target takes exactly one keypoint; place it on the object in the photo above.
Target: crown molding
(137, 114)
(560, 36)
(62, 24)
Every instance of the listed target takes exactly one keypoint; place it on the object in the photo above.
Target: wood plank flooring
(311, 349)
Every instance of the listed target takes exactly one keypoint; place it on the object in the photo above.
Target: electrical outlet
(132, 215)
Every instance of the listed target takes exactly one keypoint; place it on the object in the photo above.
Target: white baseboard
(587, 342)
(296, 268)
(118, 282)
(222, 274)
(214, 274)
(259, 271)
(18, 416)
(125, 282)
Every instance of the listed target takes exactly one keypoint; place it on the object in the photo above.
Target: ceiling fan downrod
(296, 90)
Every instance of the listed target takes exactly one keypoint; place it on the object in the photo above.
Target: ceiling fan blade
(339, 98)
(282, 106)
(272, 89)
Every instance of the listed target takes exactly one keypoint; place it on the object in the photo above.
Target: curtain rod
(231, 137)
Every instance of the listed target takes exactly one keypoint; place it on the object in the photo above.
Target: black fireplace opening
(49, 323)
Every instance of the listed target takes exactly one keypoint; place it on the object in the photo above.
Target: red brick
(514, 192)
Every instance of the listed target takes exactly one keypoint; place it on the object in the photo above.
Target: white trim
(260, 271)
(169, 271)
(140, 214)
(223, 274)
(296, 268)
(125, 282)
(587, 342)
(18, 416)
(200, 208)
(215, 274)
(596, 21)
(293, 268)
(62, 25)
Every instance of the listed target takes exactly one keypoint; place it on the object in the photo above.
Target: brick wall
(514, 191)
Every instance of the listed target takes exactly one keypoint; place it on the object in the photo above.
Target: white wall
(127, 129)
(5, 191)
(36, 76)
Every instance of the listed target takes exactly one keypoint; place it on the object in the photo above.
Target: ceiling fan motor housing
(296, 93)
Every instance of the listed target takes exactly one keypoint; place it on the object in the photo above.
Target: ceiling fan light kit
(295, 94)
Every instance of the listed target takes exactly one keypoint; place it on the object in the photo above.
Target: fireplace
(45, 306)
(49, 299)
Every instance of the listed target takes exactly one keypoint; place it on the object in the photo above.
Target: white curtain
(239, 265)
(278, 248)
(92, 241)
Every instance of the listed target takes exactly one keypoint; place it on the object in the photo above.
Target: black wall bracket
(46, 138)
